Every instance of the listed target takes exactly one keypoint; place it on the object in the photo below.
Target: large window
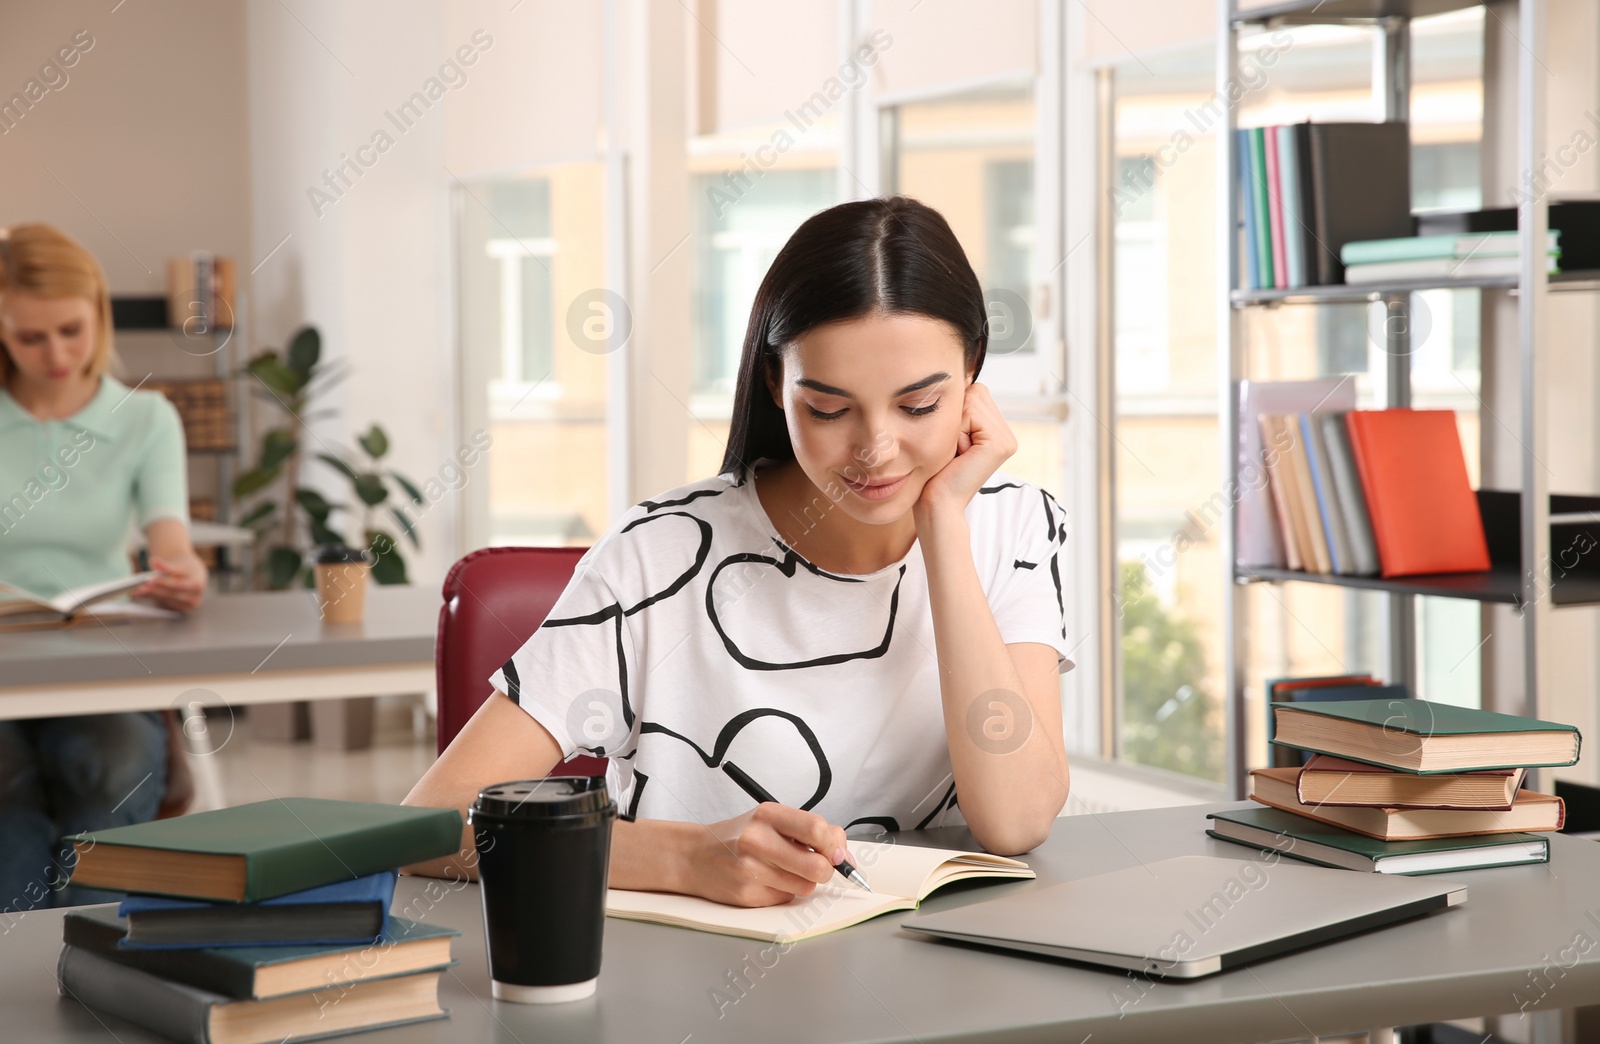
(971, 156)
(534, 334)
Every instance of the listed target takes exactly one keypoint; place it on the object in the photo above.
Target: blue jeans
(59, 776)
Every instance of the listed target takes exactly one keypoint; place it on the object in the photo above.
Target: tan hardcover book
(1532, 811)
(1305, 496)
(1327, 780)
(901, 876)
(1272, 443)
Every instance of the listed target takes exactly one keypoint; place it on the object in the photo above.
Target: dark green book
(258, 972)
(1272, 829)
(1424, 737)
(262, 850)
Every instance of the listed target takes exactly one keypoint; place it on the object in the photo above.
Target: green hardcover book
(1275, 830)
(259, 972)
(1424, 737)
(262, 850)
(1258, 201)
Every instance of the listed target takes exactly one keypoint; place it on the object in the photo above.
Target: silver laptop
(1190, 916)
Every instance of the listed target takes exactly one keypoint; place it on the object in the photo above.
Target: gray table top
(875, 982)
(228, 634)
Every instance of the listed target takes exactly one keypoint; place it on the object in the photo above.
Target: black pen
(751, 787)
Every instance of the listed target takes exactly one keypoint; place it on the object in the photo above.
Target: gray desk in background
(261, 647)
(874, 982)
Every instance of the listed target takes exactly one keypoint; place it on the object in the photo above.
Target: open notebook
(901, 876)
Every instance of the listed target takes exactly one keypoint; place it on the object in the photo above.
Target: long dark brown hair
(895, 256)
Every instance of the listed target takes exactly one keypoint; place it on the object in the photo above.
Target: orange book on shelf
(1425, 516)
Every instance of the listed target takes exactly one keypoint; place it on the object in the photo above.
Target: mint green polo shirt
(71, 490)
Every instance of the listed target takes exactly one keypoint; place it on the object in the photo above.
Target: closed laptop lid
(1192, 915)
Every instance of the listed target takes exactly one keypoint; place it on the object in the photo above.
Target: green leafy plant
(288, 518)
(1165, 704)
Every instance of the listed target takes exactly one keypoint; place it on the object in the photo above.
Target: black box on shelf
(1578, 221)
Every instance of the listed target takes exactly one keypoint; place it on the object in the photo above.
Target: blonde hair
(46, 262)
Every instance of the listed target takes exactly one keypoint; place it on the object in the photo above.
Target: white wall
(140, 153)
(367, 262)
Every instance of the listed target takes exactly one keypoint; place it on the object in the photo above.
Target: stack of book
(259, 923)
(1365, 492)
(1404, 786)
(1441, 257)
(1307, 189)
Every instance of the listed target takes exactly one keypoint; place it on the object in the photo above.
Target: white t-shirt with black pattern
(691, 635)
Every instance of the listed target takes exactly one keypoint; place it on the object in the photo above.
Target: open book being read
(19, 607)
(901, 876)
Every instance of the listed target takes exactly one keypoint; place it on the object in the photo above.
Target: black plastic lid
(341, 554)
(549, 798)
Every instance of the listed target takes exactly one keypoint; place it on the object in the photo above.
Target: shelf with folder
(1572, 578)
(1337, 293)
(1534, 566)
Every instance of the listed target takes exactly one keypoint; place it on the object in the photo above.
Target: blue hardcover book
(1327, 497)
(337, 914)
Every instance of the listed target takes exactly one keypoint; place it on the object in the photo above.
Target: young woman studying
(82, 459)
(860, 612)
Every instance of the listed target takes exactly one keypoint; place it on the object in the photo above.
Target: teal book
(1424, 737)
(1258, 203)
(259, 972)
(1274, 830)
(1448, 245)
(259, 851)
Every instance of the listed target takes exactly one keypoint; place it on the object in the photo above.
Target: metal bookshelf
(1518, 523)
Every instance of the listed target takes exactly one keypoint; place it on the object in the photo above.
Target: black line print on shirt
(788, 566)
(736, 725)
(617, 615)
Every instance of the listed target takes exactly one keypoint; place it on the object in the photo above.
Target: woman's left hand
(181, 585)
(983, 443)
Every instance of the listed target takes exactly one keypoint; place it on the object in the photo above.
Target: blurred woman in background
(82, 459)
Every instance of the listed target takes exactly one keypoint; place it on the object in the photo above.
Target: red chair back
(494, 599)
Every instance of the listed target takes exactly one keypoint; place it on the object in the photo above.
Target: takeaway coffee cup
(342, 582)
(544, 847)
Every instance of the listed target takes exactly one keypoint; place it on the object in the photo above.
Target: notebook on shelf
(1425, 516)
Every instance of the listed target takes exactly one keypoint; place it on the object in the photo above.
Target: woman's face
(50, 339)
(873, 407)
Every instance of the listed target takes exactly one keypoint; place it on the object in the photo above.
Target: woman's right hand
(765, 857)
